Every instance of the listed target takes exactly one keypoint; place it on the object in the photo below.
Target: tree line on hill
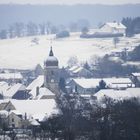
(132, 24)
(20, 29)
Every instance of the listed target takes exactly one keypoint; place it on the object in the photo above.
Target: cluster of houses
(25, 106)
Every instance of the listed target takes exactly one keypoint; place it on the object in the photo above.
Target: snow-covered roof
(112, 82)
(73, 68)
(38, 82)
(87, 83)
(133, 63)
(45, 92)
(115, 94)
(115, 80)
(6, 137)
(13, 89)
(8, 76)
(136, 74)
(4, 112)
(87, 96)
(78, 70)
(15, 112)
(117, 25)
(118, 94)
(4, 86)
(34, 122)
(42, 108)
(119, 86)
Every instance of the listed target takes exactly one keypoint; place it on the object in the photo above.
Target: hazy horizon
(69, 2)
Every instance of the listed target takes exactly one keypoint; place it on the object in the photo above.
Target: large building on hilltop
(113, 28)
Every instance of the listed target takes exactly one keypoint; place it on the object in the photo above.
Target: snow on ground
(23, 53)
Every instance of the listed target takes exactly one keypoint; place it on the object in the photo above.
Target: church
(46, 86)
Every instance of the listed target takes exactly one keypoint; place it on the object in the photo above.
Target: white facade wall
(108, 29)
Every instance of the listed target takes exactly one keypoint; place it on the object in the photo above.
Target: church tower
(51, 73)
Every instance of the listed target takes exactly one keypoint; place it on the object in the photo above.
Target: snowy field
(22, 53)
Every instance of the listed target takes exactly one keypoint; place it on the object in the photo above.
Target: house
(16, 120)
(79, 71)
(34, 85)
(11, 77)
(16, 91)
(37, 90)
(6, 105)
(83, 86)
(118, 83)
(45, 93)
(36, 109)
(118, 94)
(135, 77)
(89, 86)
(113, 28)
(20, 112)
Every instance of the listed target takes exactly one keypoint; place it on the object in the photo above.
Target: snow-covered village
(76, 82)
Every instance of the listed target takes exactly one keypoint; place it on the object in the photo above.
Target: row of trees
(20, 29)
(132, 24)
(82, 120)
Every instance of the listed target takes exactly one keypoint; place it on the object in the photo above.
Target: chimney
(37, 91)
(25, 117)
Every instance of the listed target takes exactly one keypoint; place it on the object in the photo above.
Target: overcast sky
(70, 1)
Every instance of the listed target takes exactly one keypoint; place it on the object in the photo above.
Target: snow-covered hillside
(23, 53)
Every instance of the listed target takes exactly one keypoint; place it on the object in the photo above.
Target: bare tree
(72, 61)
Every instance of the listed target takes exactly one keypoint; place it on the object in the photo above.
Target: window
(52, 72)
(13, 125)
(12, 119)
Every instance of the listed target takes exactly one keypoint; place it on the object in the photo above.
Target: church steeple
(51, 60)
(51, 73)
(51, 52)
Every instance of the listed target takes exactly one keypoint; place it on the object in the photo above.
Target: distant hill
(64, 14)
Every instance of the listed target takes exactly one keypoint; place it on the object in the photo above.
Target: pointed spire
(51, 52)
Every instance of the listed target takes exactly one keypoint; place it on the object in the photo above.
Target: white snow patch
(19, 53)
